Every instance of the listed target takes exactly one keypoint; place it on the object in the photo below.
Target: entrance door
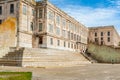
(40, 40)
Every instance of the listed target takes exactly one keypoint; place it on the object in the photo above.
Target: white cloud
(94, 16)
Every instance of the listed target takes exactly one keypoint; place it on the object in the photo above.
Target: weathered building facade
(104, 35)
(22, 11)
(58, 30)
(41, 24)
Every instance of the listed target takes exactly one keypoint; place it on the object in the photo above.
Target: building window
(40, 40)
(0, 21)
(108, 39)
(58, 42)
(71, 45)
(0, 10)
(71, 36)
(63, 23)
(63, 33)
(102, 43)
(40, 26)
(101, 33)
(51, 15)
(24, 9)
(58, 20)
(96, 40)
(74, 46)
(58, 31)
(101, 38)
(95, 34)
(33, 12)
(40, 13)
(51, 41)
(108, 33)
(74, 37)
(11, 8)
(50, 28)
(64, 44)
(68, 45)
(77, 37)
(68, 34)
(32, 27)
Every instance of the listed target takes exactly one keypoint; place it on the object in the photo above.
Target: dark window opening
(101, 33)
(101, 38)
(96, 40)
(108, 39)
(108, 33)
(11, 8)
(101, 42)
(40, 40)
(95, 34)
(32, 28)
(0, 10)
(0, 21)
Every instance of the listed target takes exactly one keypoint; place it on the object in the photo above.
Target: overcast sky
(92, 12)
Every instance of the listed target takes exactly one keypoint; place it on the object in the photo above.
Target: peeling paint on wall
(7, 32)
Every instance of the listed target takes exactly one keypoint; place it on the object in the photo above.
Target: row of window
(102, 39)
(64, 22)
(40, 27)
(25, 10)
(73, 46)
(11, 9)
(65, 34)
(102, 34)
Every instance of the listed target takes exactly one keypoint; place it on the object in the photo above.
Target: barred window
(0, 10)
(40, 26)
(11, 8)
(50, 28)
(58, 31)
(24, 9)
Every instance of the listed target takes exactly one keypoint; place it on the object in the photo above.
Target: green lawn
(15, 75)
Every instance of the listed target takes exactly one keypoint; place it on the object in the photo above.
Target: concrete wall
(49, 17)
(25, 32)
(114, 36)
(8, 33)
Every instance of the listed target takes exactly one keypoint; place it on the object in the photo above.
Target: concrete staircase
(28, 57)
(51, 58)
(10, 57)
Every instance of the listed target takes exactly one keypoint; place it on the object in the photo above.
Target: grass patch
(15, 75)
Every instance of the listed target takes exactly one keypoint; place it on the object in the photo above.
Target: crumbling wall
(8, 32)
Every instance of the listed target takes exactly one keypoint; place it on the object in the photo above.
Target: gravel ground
(81, 72)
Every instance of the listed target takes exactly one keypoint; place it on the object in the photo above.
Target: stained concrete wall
(8, 33)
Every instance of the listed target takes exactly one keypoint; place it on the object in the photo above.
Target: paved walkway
(81, 72)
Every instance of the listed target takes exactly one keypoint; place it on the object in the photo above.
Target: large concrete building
(38, 34)
(104, 35)
(41, 24)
